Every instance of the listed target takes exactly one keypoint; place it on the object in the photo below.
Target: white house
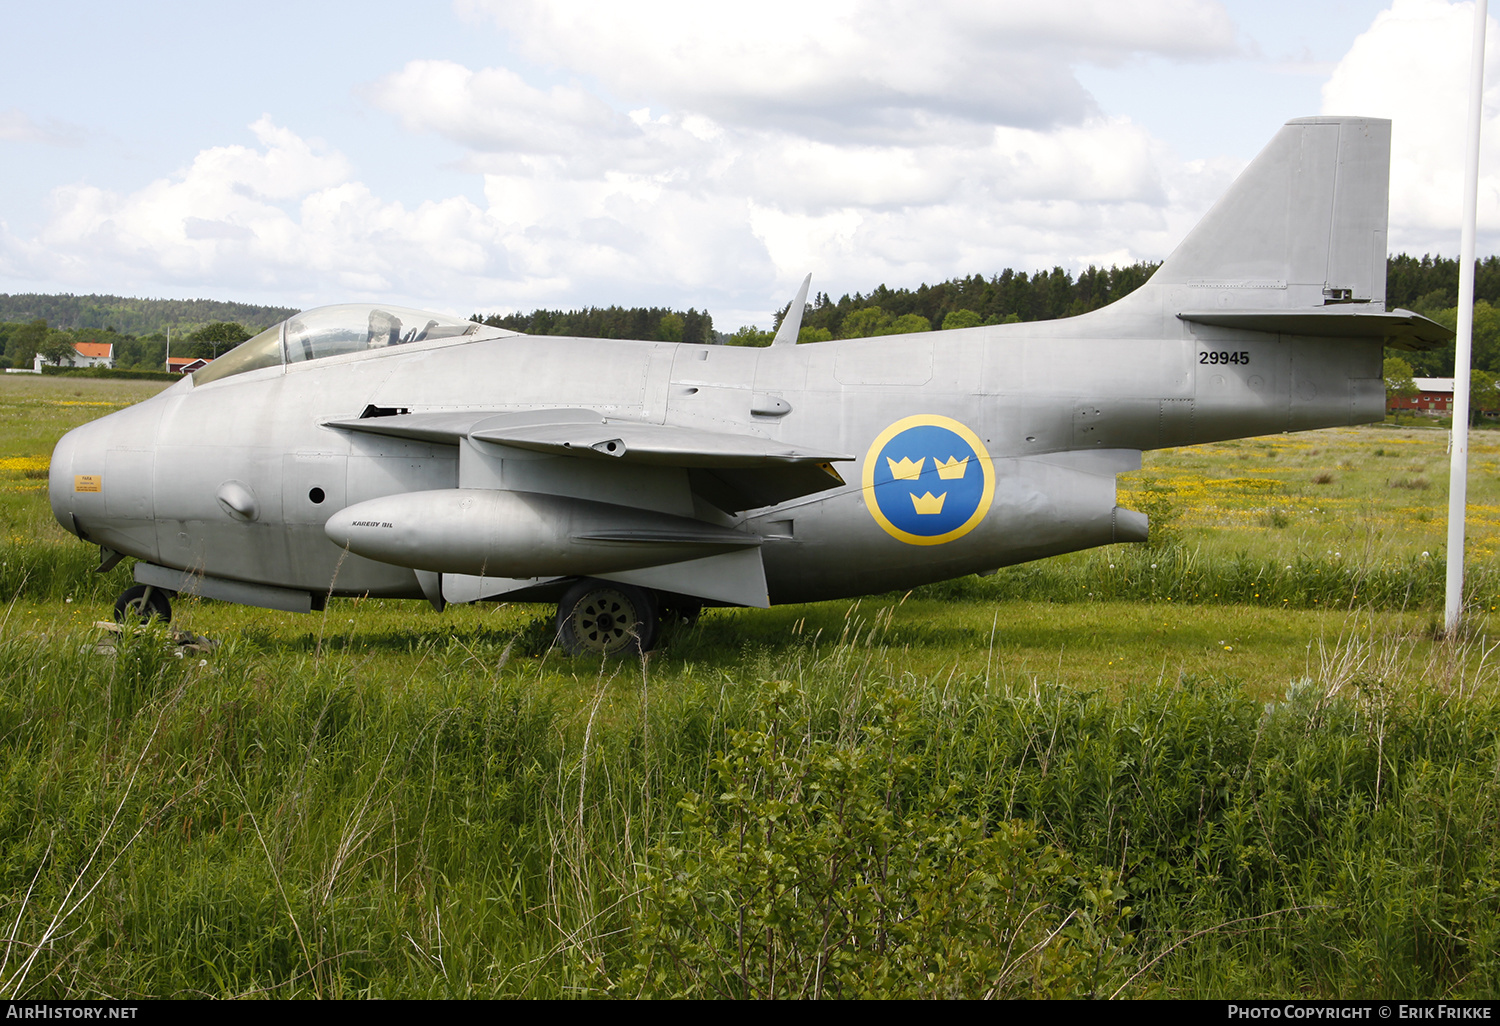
(85, 354)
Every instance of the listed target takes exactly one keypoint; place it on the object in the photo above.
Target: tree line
(141, 318)
(639, 322)
(35, 323)
(20, 341)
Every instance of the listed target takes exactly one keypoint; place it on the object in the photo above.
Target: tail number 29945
(1221, 356)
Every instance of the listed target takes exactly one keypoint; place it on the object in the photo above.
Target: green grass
(1247, 770)
(425, 813)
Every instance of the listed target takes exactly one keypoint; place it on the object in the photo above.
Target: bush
(822, 869)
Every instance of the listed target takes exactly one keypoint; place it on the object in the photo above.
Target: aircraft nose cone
(101, 474)
(60, 483)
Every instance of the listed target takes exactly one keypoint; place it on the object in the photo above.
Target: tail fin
(1303, 226)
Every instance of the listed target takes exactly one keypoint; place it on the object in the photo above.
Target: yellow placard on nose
(88, 483)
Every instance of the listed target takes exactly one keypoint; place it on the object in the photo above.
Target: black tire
(141, 603)
(682, 611)
(602, 618)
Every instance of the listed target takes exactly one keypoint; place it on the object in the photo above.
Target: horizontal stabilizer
(1401, 329)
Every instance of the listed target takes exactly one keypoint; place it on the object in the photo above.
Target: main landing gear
(602, 618)
(141, 603)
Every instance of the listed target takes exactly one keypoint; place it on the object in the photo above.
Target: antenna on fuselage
(791, 324)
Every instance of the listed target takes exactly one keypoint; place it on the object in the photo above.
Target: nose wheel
(602, 618)
(141, 603)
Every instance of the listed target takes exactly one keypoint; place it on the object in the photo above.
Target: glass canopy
(334, 331)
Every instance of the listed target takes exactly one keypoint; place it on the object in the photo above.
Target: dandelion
(1424, 554)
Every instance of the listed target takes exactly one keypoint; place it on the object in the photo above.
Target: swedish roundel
(928, 480)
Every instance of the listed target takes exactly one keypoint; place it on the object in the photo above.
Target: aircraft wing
(733, 472)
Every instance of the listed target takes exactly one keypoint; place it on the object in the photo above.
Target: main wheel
(141, 603)
(602, 618)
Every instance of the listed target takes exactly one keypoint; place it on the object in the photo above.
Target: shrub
(822, 870)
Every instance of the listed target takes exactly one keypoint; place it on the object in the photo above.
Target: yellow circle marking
(928, 420)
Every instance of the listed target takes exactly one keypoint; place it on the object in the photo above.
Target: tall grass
(1170, 573)
(1190, 576)
(263, 821)
(53, 573)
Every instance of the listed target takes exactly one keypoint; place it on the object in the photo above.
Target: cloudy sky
(496, 155)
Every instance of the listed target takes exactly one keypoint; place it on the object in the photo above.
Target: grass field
(1230, 763)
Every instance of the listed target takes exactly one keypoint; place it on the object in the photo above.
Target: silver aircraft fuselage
(493, 463)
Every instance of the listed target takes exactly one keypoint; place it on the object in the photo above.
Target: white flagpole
(1458, 480)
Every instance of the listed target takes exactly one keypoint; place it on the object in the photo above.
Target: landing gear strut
(602, 618)
(141, 603)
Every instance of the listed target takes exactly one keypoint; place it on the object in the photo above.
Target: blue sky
(509, 154)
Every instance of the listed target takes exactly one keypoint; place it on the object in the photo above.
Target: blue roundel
(929, 480)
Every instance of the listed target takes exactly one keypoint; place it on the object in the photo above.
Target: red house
(1434, 397)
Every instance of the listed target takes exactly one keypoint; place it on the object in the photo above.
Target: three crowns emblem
(941, 465)
(906, 469)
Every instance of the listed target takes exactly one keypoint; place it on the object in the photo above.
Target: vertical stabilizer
(1303, 226)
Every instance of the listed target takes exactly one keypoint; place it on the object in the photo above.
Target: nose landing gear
(141, 603)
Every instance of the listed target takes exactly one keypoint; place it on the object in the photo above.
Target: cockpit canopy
(334, 331)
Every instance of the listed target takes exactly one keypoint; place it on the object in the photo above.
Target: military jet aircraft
(374, 450)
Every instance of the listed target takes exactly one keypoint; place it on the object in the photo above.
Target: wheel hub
(606, 621)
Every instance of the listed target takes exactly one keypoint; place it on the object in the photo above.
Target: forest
(138, 327)
(136, 317)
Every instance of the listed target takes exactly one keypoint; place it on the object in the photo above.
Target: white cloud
(872, 69)
(1412, 66)
(494, 110)
(285, 216)
(700, 157)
